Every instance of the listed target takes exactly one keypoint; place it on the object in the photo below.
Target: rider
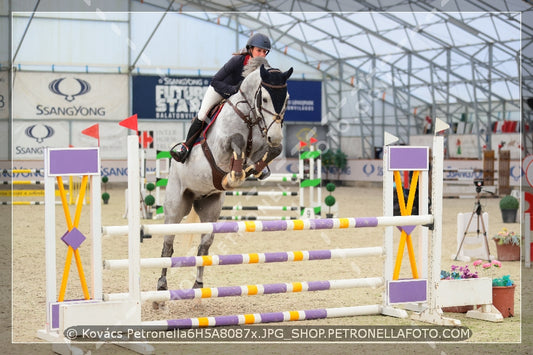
(225, 83)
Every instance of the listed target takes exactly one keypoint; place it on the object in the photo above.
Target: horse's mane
(253, 64)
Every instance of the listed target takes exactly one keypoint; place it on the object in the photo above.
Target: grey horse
(245, 136)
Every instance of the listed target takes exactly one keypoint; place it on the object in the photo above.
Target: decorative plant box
(464, 292)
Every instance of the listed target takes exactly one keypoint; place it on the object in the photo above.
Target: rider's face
(259, 52)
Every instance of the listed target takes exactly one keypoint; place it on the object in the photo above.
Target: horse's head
(271, 102)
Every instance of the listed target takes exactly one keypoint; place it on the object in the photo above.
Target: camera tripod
(478, 211)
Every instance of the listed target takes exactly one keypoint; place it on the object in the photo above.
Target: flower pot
(106, 202)
(509, 216)
(503, 299)
(508, 252)
(457, 309)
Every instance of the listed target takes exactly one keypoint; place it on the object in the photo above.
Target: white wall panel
(57, 41)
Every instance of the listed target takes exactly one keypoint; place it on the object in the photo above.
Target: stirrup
(180, 155)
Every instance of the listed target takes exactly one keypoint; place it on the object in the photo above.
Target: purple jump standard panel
(72, 161)
(408, 158)
(405, 291)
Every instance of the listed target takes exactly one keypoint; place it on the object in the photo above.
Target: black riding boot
(181, 153)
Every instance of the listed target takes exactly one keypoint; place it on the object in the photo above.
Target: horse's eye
(265, 100)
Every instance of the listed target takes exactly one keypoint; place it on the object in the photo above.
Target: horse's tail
(192, 217)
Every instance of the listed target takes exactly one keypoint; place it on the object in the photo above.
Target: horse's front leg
(203, 249)
(236, 175)
(168, 250)
(267, 154)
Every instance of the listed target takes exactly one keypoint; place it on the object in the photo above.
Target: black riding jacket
(228, 79)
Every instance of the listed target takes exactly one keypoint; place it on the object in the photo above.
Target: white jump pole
(134, 218)
(271, 226)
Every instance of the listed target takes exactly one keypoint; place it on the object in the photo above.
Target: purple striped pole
(273, 317)
(250, 290)
(287, 225)
(251, 258)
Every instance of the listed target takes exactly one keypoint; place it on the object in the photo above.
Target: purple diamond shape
(74, 238)
(407, 229)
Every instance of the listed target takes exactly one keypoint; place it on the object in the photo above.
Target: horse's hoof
(198, 284)
(162, 284)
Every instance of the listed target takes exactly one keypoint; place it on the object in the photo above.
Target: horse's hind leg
(203, 249)
(175, 210)
(208, 209)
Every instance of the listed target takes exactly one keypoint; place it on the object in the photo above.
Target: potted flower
(502, 288)
(507, 245)
(509, 206)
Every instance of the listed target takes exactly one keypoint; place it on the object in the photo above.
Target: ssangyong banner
(30, 138)
(305, 102)
(168, 97)
(70, 96)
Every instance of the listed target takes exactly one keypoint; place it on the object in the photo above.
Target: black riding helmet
(258, 40)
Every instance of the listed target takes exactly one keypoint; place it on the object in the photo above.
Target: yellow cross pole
(405, 210)
(70, 226)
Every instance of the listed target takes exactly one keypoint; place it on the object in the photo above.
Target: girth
(218, 174)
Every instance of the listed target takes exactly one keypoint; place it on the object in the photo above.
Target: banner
(70, 96)
(112, 139)
(168, 97)
(4, 96)
(305, 102)
(31, 137)
(179, 98)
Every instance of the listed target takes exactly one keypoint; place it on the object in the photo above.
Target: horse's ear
(264, 72)
(287, 74)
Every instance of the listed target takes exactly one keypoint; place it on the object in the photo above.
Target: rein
(251, 122)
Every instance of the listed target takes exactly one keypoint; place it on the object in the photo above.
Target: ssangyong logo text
(70, 89)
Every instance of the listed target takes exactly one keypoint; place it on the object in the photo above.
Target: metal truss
(374, 83)
(387, 64)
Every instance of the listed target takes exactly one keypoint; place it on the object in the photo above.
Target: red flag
(130, 123)
(312, 140)
(302, 144)
(93, 131)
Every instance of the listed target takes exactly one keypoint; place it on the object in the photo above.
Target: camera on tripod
(478, 184)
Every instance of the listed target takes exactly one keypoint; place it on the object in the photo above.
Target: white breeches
(211, 98)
